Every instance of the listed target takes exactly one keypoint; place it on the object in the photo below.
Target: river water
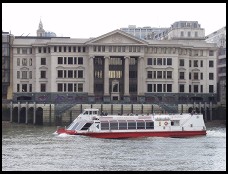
(37, 148)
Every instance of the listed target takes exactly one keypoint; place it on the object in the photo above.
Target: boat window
(90, 112)
(122, 125)
(86, 113)
(149, 125)
(105, 126)
(131, 125)
(140, 125)
(175, 123)
(113, 126)
(95, 112)
(86, 126)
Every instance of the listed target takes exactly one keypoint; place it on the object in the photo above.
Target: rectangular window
(181, 75)
(211, 63)
(196, 76)
(60, 49)
(80, 73)
(211, 88)
(24, 74)
(149, 88)
(55, 49)
(18, 74)
(39, 49)
(42, 87)
(201, 88)
(190, 88)
(65, 74)
(149, 61)
(80, 60)
(65, 60)
(195, 63)
(70, 60)
(154, 74)
(64, 87)
(24, 87)
(49, 49)
(75, 73)
(84, 49)
(169, 74)
(190, 63)
(159, 74)
(159, 87)
(181, 88)
(181, 62)
(201, 76)
(18, 50)
(189, 34)
(110, 48)
(60, 60)
(169, 87)
(154, 87)
(60, 87)
(80, 87)
(195, 88)
(211, 76)
(43, 61)
(60, 73)
(159, 61)
(24, 62)
(190, 76)
(45, 49)
(70, 73)
(149, 74)
(42, 74)
(201, 63)
(169, 61)
(70, 87)
(64, 49)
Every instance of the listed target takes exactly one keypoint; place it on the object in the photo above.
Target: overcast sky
(84, 20)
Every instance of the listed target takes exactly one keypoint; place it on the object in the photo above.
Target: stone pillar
(106, 80)
(34, 114)
(19, 112)
(140, 86)
(91, 80)
(26, 113)
(126, 79)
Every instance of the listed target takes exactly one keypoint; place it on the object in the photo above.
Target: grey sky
(84, 20)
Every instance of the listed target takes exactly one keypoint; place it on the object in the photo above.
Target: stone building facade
(113, 68)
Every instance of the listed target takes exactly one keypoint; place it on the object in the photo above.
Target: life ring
(166, 123)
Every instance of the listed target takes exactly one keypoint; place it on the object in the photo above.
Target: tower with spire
(40, 32)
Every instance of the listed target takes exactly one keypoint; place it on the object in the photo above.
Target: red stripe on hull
(116, 135)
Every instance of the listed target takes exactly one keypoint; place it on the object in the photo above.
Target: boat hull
(119, 135)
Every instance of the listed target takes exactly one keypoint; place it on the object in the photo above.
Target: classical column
(141, 82)
(106, 76)
(126, 76)
(91, 76)
(140, 76)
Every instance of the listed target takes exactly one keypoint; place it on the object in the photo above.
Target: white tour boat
(91, 123)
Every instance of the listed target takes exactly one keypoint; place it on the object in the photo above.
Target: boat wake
(216, 133)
